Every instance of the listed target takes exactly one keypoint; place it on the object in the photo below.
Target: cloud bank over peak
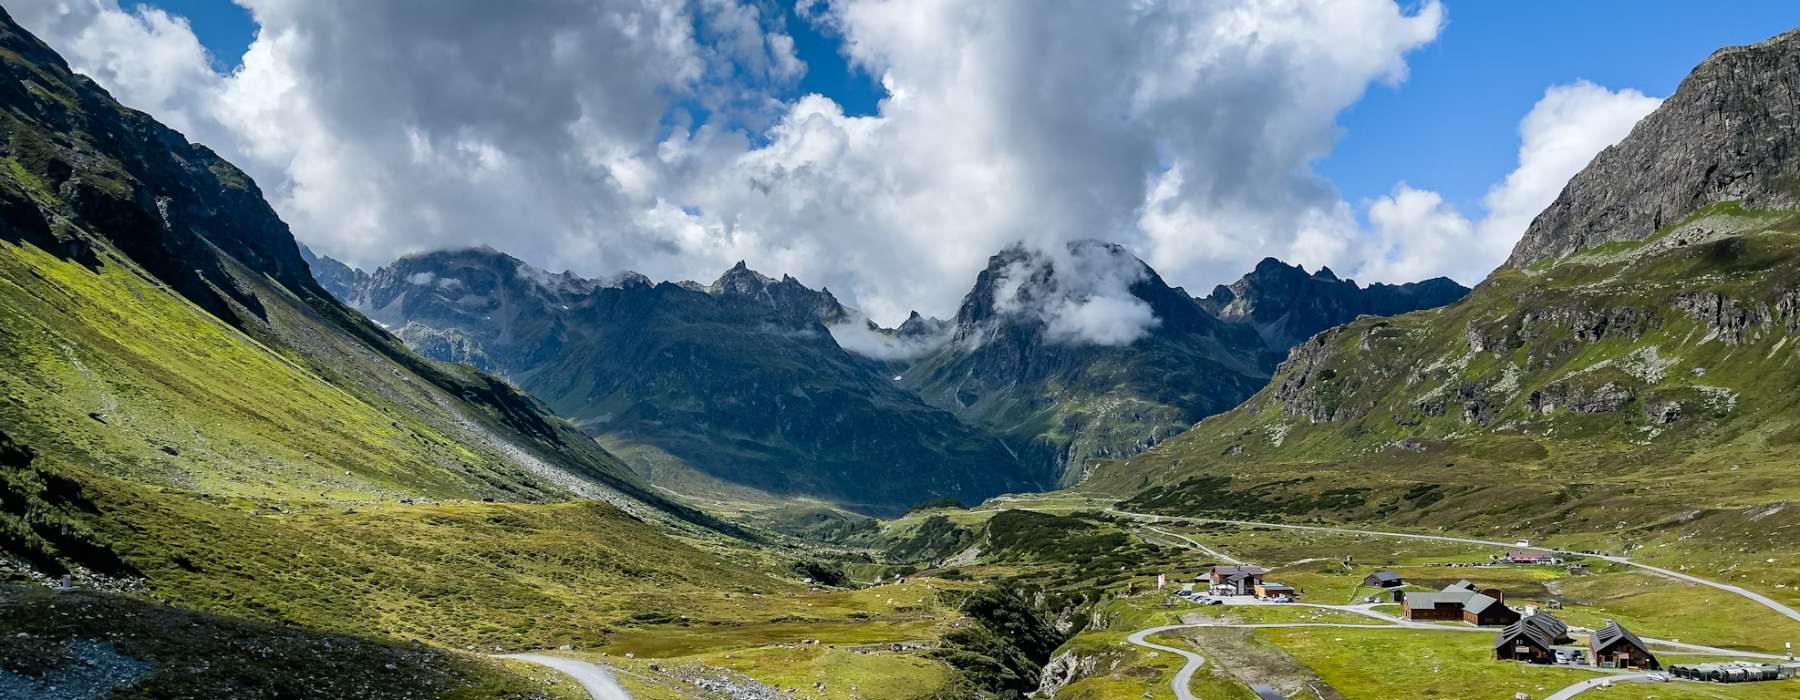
(667, 136)
(1080, 292)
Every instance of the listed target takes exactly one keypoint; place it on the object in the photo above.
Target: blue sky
(1450, 127)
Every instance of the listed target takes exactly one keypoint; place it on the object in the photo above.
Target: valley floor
(1336, 645)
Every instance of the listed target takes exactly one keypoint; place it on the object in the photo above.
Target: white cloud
(856, 336)
(562, 132)
(1081, 293)
(1418, 235)
(147, 58)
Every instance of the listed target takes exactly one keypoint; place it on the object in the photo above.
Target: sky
(885, 149)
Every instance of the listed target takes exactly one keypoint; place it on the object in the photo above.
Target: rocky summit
(1286, 305)
(1726, 135)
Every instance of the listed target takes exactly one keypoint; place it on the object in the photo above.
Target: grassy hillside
(1637, 390)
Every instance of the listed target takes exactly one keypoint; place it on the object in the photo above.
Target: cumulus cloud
(1418, 235)
(661, 135)
(146, 57)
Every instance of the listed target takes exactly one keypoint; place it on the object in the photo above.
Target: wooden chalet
(1459, 601)
(1383, 579)
(1616, 647)
(1532, 639)
(1238, 579)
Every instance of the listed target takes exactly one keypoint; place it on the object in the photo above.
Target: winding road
(595, 679)
(1184, 678)
(1196, 544)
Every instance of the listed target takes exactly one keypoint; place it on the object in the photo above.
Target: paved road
(596, 680)
(1184, 677)
(1210, 551)
(1758, 598)
(1593, 683)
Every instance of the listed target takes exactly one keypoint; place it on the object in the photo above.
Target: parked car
(1657, 678)
(1212, 601)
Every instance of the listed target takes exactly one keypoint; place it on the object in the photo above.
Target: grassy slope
(496, 576)
(158, 372)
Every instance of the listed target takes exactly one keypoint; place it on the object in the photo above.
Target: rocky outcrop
(1730, 320)
(1301, 376)
(1063, 669)
(1729, 133)
(1606, 398)
(447, 345)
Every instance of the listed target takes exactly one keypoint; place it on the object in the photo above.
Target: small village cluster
(1531, 636)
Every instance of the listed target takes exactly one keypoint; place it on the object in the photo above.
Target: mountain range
(755, 383)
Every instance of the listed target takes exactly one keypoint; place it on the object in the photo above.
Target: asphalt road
(1593, 683)
(1210, 551)
(1183, 677)
(597, 681)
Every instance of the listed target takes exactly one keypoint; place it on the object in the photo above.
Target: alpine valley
(233, 467)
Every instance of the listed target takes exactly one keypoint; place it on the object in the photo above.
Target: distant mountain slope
(1286, 305)
(739, 379)
(1082, 401)
(1074, 399)
(1631, 387)
(662, 372)
(158, 321)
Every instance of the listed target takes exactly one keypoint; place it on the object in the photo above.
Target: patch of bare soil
(1234, 653)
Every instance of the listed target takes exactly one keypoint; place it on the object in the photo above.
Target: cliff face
(1727, 134)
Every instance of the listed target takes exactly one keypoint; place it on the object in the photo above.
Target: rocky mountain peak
(1020, 282)
(919, 326)
(1729, 133)
(1287, 305)
(338, 278)
(787, 296)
